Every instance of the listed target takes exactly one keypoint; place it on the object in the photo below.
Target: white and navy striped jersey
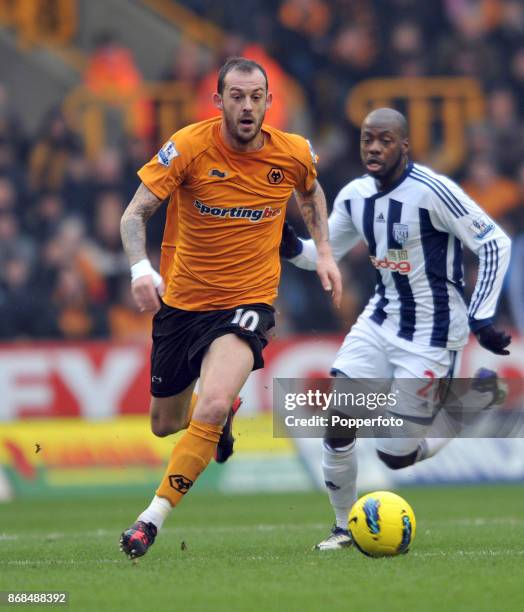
(415, 231)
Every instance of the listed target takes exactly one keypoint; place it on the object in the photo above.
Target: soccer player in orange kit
(228, 179)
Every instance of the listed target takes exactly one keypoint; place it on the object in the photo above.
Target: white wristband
(144, 268)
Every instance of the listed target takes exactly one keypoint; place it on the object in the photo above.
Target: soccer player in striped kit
(415, 326)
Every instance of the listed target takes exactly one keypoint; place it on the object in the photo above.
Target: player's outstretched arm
(343, 236)
(463, 218)
(146, 283)
(312, 205)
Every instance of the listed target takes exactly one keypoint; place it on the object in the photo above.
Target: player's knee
(397, 462)
(164, 427)
(213, 409)
(160, 430)
(338, 444)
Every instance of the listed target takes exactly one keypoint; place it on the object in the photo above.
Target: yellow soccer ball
(382, 524)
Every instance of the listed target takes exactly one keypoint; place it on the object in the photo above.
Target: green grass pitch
(254, 553)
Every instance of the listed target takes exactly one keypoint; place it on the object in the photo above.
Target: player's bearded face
(244, 104)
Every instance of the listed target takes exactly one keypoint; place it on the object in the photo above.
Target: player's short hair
(238, 63)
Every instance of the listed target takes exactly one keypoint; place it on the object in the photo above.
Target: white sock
(157, 512)
(340, 470)
(431, 446)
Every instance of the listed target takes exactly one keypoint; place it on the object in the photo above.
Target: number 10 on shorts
(247, 319)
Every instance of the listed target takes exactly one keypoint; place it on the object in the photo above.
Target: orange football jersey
(225, 213)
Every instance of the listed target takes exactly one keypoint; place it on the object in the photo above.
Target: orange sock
(188, 460)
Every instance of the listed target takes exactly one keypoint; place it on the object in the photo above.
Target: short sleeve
(308, 159)
(167, 169)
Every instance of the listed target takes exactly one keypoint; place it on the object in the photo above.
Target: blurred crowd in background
(63, 273)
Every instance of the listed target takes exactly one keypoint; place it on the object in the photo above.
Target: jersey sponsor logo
(400, 232)
(481, 227)
(396, 260)
(218, 173)
(237, 212)
(167, 153)
(275, 176)
(380, 218)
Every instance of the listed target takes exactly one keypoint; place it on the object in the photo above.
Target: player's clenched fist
(146, 286)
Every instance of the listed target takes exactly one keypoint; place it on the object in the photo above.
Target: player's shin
(431, 446)
(461, 411)
(443, 429)
(189, 458)
(339, 466)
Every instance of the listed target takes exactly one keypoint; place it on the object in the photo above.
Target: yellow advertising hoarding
(53, 456)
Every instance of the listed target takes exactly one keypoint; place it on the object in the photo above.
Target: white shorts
(369, 352)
